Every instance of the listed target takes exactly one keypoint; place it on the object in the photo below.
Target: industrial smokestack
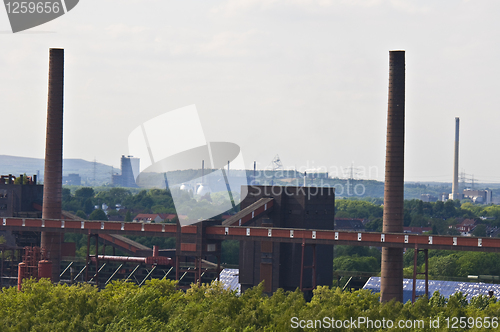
(202, 171)
(254, 172)
(52, 186)
(454, 189)
(391, 283)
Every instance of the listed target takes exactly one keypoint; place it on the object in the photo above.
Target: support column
(415, 273)
(312, 267)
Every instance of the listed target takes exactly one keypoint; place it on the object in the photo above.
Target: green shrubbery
(160, 306)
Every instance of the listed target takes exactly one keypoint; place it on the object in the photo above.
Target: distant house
(349, 224)
(416, 230)
(154, 217)
(466, 226)
(116, 218)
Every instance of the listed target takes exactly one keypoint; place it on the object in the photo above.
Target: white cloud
(123, 30)
(229, 44)
(233, 8)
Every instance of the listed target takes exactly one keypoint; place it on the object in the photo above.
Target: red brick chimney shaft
(52, 189)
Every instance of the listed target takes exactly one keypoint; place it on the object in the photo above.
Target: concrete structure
(478, 196)
(72, 180)
(392, 258)
(21, 201)
(279, 264)
(130, 171)
(18, 200)
(52, 192)
(454, 188)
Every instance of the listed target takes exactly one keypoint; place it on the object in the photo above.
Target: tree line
(83, 201)
(437, 215)
(160, 306)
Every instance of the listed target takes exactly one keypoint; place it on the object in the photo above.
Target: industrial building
(282, 265)
(72, 179)
(478, 196)
(20, 200)
(130, 171)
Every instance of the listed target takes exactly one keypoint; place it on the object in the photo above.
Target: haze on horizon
(305, 79)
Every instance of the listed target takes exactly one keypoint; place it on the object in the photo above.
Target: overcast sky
(305, 79)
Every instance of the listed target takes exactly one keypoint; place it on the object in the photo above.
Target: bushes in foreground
(160, 306)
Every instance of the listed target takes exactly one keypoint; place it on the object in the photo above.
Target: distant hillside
(30, 166)
(344, 188)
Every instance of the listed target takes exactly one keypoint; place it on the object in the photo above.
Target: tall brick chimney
(391, 283)
(52, 185)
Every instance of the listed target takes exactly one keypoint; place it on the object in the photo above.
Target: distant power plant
(478, 196)
(454, 188)
(130, 171)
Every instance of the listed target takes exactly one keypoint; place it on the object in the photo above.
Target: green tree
(475, 209)
(444, 266)
(88, 207)
(230, 252)
(160, 306)
(81, 214)
(492, 210)
(419, 220)
(66, 195)
(84, 193)
(449, 209)
(358, 209)
(479, 230)
(18, 179)
(355, 263)
(147, 202)
(374, 225)
(439, 209)
(98, 215)
(113, 196)
(128, 216)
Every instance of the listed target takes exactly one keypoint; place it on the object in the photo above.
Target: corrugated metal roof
(231, 280)
(445, 288)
